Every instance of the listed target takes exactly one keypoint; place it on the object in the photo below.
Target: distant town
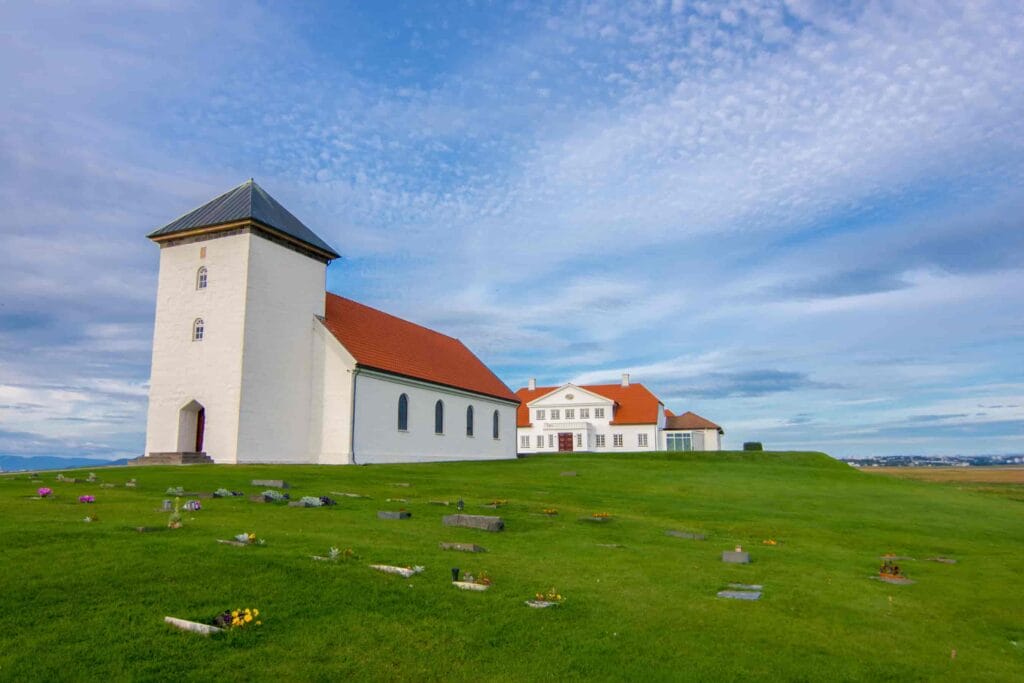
(936, 460)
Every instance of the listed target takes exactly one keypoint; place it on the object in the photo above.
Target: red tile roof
(383, 342)
(690, 420)
(634, 404)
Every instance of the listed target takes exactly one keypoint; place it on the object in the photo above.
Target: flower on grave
(501, 501)
(91, 518)
(484, 579)
(770, 541)
(311, 501)
(324, 500)
(222, 493)
(275, 496)
(237, 618)
(86, 499)
(176, 491)
(193, 505)
(44, 491)
(551, 596)
(601, 515)
(550, 511)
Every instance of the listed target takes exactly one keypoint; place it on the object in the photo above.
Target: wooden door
(200, 428)
(565, 441)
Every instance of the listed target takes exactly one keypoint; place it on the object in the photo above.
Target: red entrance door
(200, 428)
(565, 441)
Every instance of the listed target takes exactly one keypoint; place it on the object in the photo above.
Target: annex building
(255, 362)
(607, 418)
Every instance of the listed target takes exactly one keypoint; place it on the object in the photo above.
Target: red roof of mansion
(689, 420)
(634, 404)
(381, 341)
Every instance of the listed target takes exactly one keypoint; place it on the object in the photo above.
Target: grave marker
(271, 483)
(390, 514)
(738, 556)
(463, 547)
(685, 534)
(475, 522)
(193, 626)
(740, 595)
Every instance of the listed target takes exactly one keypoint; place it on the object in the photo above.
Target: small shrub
(752, 446)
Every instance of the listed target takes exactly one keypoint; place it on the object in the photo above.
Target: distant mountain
(18, 463)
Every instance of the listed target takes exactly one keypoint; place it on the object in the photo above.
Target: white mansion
(607, 418)
(254, 362)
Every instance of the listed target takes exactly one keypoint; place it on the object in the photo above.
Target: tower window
(469, 421)
(201, 278)
(494, 426)
(198, 326)
(403, 413)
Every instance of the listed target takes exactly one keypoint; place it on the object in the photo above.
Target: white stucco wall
(701, 439)
(331, 411)
(378, 440)
(285, 292)
(207, 371)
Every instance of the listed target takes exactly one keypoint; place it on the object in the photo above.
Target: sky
(802, 220)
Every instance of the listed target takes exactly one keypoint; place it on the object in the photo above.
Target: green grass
(86, 601)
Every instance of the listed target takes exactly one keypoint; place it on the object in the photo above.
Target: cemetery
(672, 575)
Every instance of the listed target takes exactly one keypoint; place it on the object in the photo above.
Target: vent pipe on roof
(625, 379)
(533, 384)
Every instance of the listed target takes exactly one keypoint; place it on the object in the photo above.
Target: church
(255, 362)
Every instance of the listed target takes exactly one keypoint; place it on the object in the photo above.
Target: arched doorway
(191, 427)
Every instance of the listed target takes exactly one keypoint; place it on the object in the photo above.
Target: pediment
(569, 395)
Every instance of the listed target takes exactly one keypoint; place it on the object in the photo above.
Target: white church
(255, 362)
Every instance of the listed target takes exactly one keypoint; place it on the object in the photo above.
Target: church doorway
(191, 427)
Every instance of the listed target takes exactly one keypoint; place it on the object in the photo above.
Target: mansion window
(439, 417)
(540, 441)
(469, 421)
(403, 413)
(617, 440)
(540, 414)
(599, 440)
(551, 440)
(584, 413)
(554, 413)
(570, 413)
(198, 328)
(679, 441)
(524, 442)
(641, 440)
(579, 440)
(494, 425)
(599, 413)
(201, 278)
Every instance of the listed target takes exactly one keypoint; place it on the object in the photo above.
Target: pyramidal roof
(248, 201)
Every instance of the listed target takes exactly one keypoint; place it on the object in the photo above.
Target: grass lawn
(87, 600)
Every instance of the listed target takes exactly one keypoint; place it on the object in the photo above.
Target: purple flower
(44, 492)
(86, 499)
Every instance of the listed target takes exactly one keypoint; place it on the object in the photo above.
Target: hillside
(86, 600)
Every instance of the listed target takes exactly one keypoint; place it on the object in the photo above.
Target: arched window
(494, 426)
(469, 421)
(439, 417)
(197, 329)
(201, 278)
(403, 413)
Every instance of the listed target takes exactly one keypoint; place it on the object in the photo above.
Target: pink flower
(86, 499)
(44, 492)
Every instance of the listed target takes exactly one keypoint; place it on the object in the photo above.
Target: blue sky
(800, 220)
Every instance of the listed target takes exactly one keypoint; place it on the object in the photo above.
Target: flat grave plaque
(393, 514)
(685, 534)
(193, 626)
(463, 547)
(474, 522)
(271, 483)
(740, 595)
(736, 557)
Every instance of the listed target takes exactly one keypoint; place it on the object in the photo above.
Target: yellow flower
(234, 613)
(259, 623)
(248, 618)
(256, 612)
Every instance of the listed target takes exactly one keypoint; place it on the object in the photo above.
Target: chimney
(625, 379)
(533, 384)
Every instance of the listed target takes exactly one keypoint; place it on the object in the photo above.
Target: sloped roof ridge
(399, 319)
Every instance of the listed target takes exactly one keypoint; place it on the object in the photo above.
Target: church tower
(241, 284)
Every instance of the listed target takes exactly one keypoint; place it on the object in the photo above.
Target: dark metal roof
(248, 201)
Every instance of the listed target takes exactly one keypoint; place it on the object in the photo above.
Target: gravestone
(389, 514)
(403, 484)
(685, 534)
(567, 474)
(193, 626)
(271, 483)
(257, 498)
(736, 556)
(468, 586)
(474, 522)
(942, 560)
(463, 547)
(740, 595)
(168, 506)
(296, 504)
